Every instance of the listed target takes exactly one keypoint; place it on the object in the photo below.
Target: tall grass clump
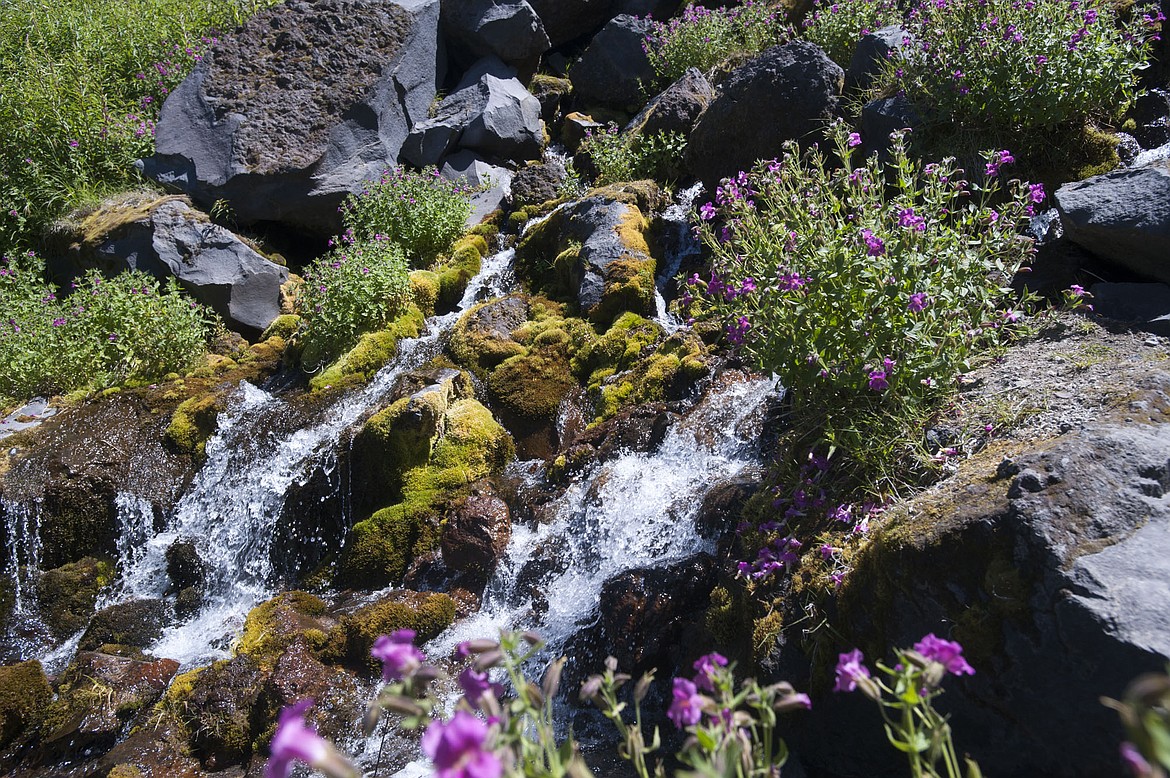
(622, 156)
(703, 38)
(81, 85)
(102, 333)
(837, 25)
(869, 290)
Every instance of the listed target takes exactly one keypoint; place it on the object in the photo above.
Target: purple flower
(1010, 316)
(474, 685)
(877, 380)
(908, 219)
(687, 707)
(947, 653)
(917, 302)
(457, 748)
(827, 552)
(875, 246)
(854, 140)
(1132, 758)
(297, 741)
(1036, 193)
(705, 670)
(707, 212)
(850, 670)
(1076, 290)
(58, 322)
(748, 285)
(737, 330)
(398, 654)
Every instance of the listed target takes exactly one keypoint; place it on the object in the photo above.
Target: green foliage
(358, 287)
(105, 332)
(628, 157)
(703, 38)
(1145, 712)
(1008, 67)
(868, 300)
(422, 212)
(837, 25)
(81, 85)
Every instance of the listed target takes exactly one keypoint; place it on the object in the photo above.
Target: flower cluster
(837, 25)
(702, 37)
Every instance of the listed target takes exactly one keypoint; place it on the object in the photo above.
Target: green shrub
(703, 38)
(105, 332)
(81, 84)
(1006, 67)
(422, 212)
(837, 25)
(358, 287)
(626, 157)
(868, 300)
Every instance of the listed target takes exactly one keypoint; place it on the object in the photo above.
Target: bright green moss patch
(272, 626)
(427, 614)
(373, 352)
(67, 594)
(283, 326)
(193, 422)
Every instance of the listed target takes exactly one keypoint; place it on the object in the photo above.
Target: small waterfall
(680, 243)
(231, 509)
(635, 511)
(22, 529)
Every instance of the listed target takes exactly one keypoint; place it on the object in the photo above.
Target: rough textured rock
(567, 20)
(495, 180)
(676, 108)
(1151, 116)
(1146, 306)
(219, 712)
(592, 252)
(184, 567)
(638, 428)
(136, 623)
(614, 67)
(1049, 562)
(538, 183)
(575, 128)
(490, 111)
(509, 30)
(476, 532)
(1122, 217)
(872, 52)
(24, 695)
(881, 117)
(786, 92)
(167, 238)
(295, 110)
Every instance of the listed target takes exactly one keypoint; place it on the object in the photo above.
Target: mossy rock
(124, 771)
(532, 385)
(25, 695)
(465, 263)
(217, 711)
(424, 290)
(135, 623)
(283, 326)
(428, 614)
(272, 626)
(193, 423)
(373, 351)
(66, 595)
(482, 338)
(618, 349)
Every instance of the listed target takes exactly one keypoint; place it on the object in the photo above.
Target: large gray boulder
(492, 182)
(1122, 217)
(1050, 563)
(509, 30)
(567, 20)
(676, 108)
(614, 68)
(299, 107)
(490, 111)
(784, 93)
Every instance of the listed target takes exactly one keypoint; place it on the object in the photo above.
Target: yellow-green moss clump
(283, 326)
(373, 352)
(424, 290)
(124, 771)
(25, 694)
(472, 446)
(273, 626)
(464, 264)
(193, 422)
(428, 614)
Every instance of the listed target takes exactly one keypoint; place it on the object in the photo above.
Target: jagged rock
(577, 126)
(218, 711)
(614, 67)
(298, 674)
(509, 30)
(483, 337)
(1050, 563)
(872, 52)
(1146, 306)
(594, 253)
(676, 108)
(786, 92)
(66, 595)
(658, 9)
(490, 111)
(184, 567)
(553, 95)
(476, 532)
(1122, 217)
(136, 623)
(538, 183)
(295, 110)
(640, 428)
(567, 20)
(881, 117)
(493, 183)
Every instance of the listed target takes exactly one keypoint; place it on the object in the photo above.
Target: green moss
(283, 326)
(124, 771)
(479, 349)
(465, 263)
(618, 349)
(66, 595)
(25, 695)
(424, 290)
(193, 422)
(373, 352)
(532, 385)
(272, 626)
(426, 614)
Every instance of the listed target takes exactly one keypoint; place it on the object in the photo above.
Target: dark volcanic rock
(300, 106)
(613, 69)
(784, 93)
(1146, 306)
(509, 30)
(538, 183)
(136, 623)
(1051, 567)
(872, 51)
(184, 567)
(1122, 217)
(476, 532)
(566, 20)
(676, 108)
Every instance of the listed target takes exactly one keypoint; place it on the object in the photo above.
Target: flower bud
(642, 688)
(478, 646)
(916, 659)
(371, 719)
(532, 638)
(488, 659)
(535, 694)
(934, 675)
(791, 702)
(870, 688)
(611, 664)
(590, 689)
(400, 704)
(552, 678)
(426, 674)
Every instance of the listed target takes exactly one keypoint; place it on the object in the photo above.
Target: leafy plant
(422, 212)
(628, 157)
(867, 299)
(703, 38)
(837, 25)
(357, 287)
(1145, 712)
(104, 332)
